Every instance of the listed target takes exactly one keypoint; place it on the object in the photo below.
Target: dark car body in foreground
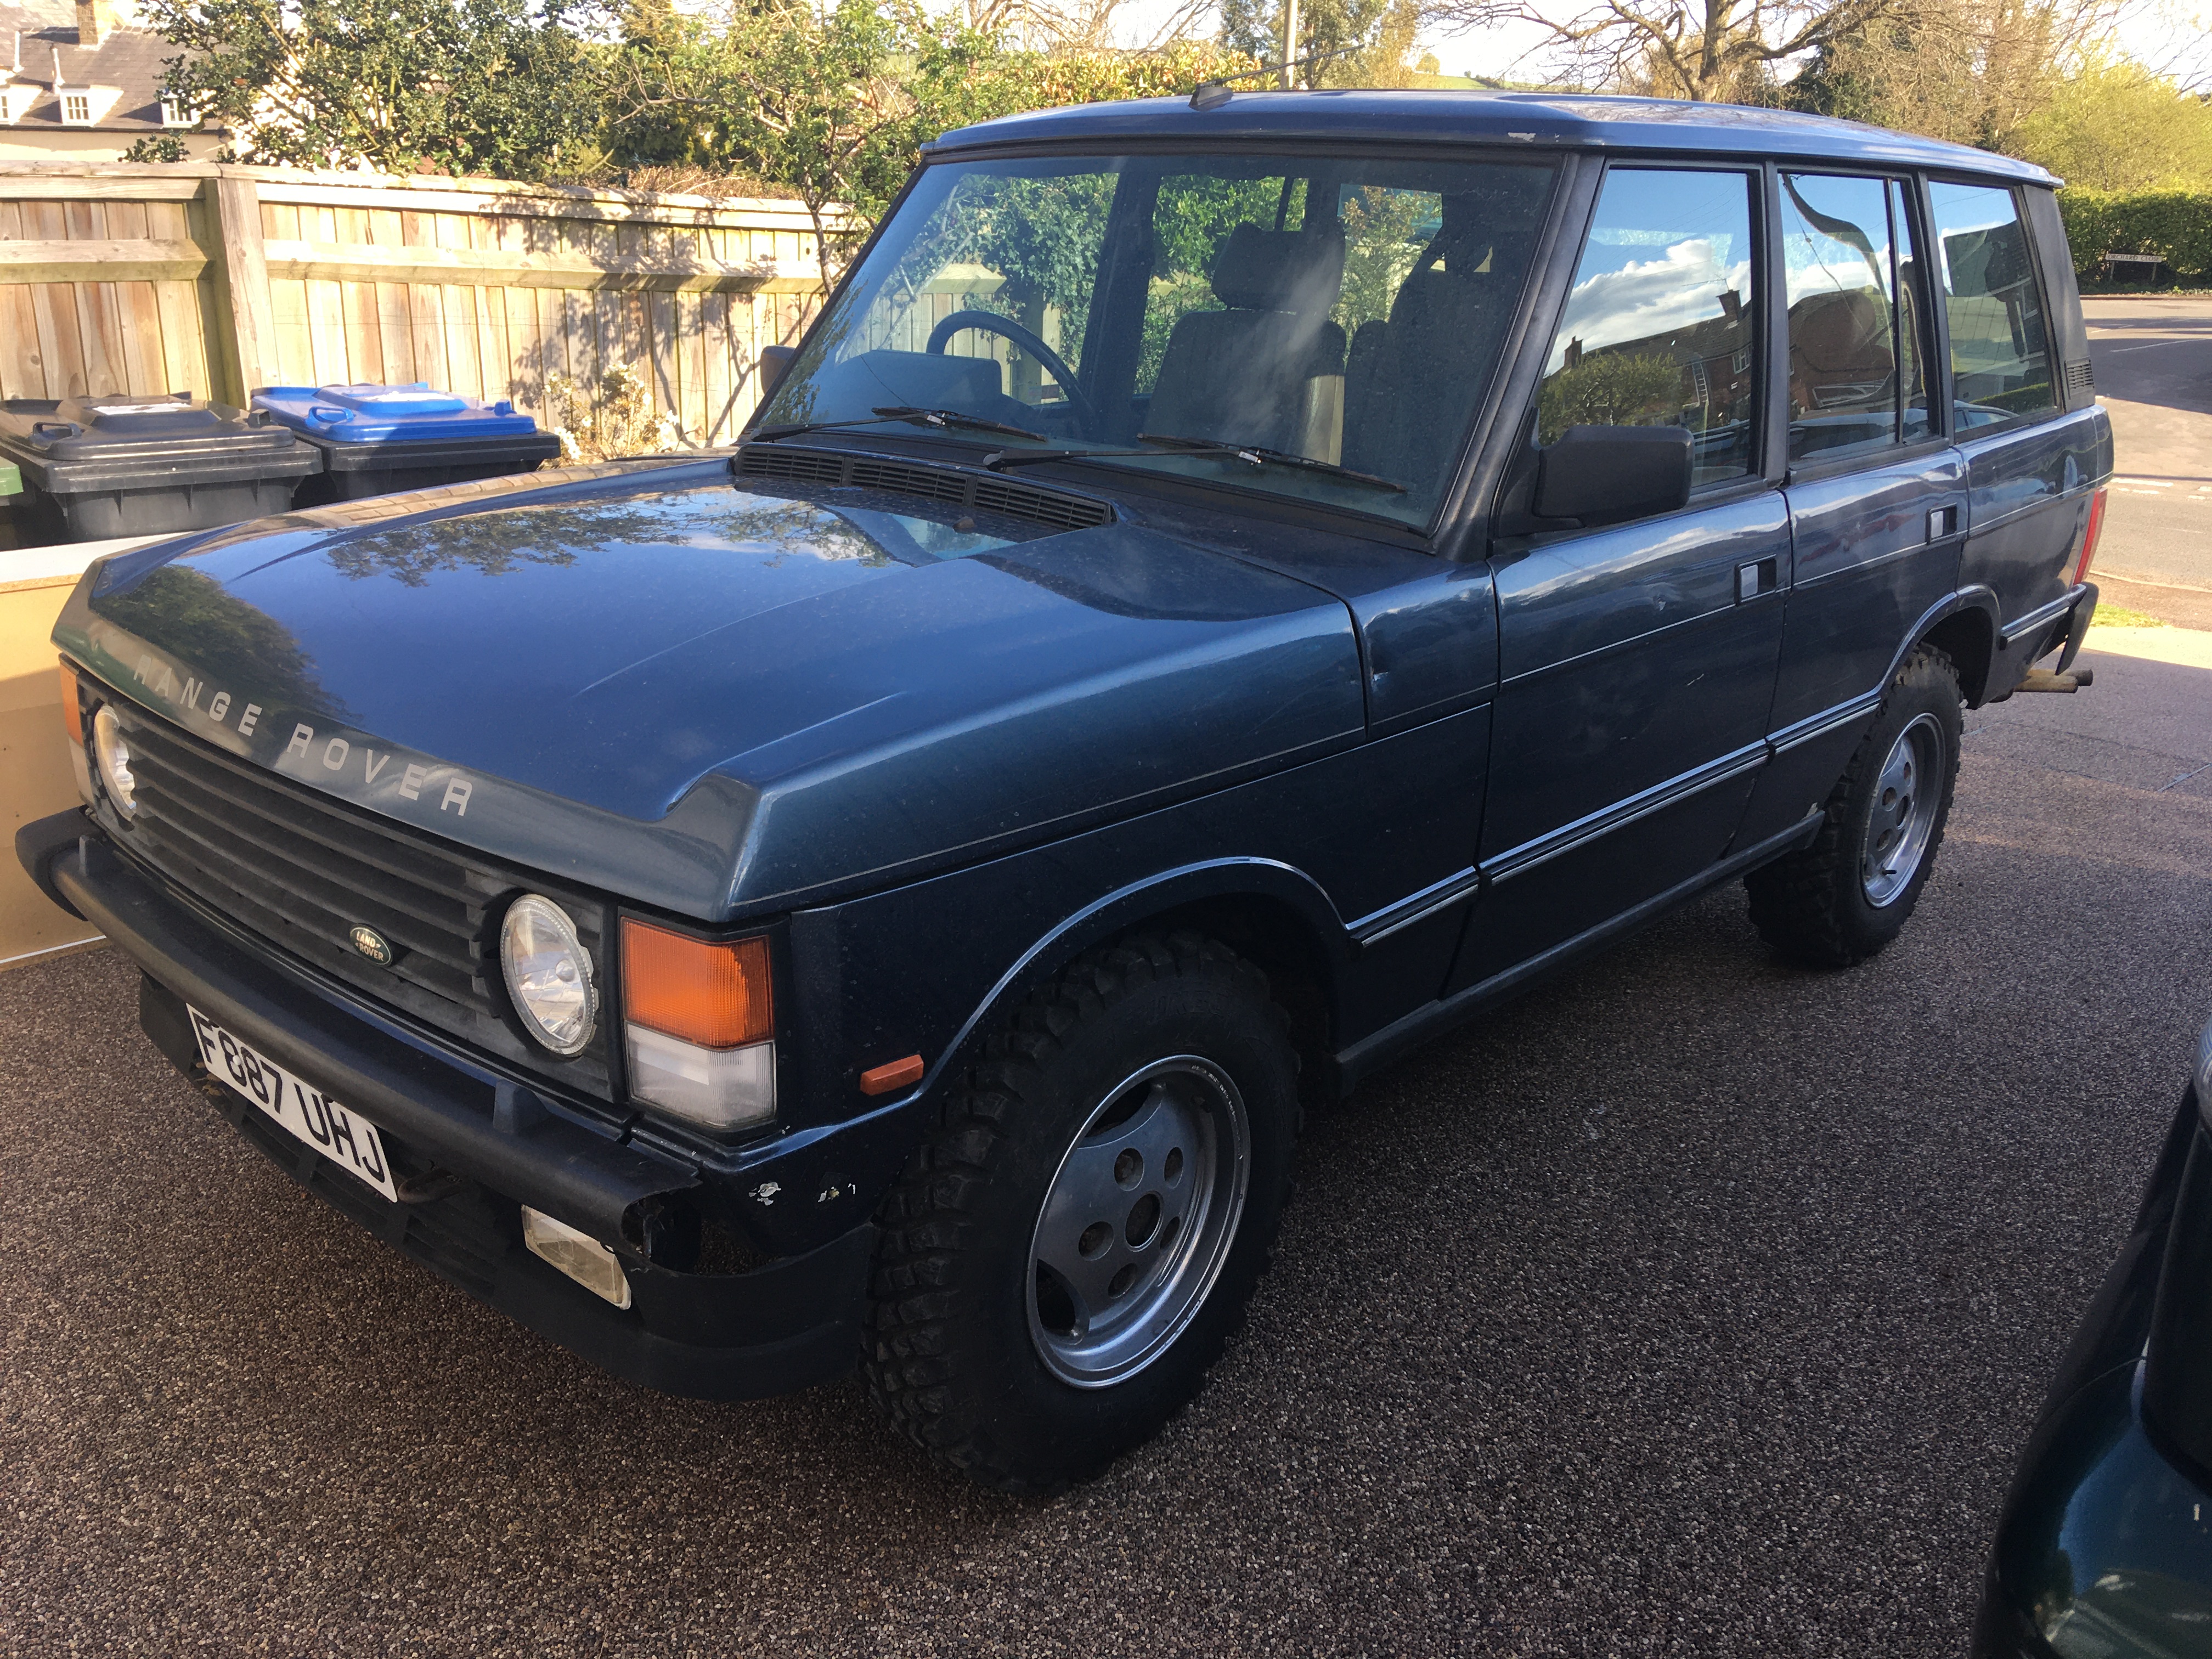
(2105, 1548)
(888, 893)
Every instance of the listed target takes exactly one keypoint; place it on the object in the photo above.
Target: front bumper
(479, 1148)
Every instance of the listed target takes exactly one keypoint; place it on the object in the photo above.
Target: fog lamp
(548, 974)
(113, 754)
(576, 1254)
(699, 1026)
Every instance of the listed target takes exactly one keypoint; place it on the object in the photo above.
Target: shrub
(2174, 224)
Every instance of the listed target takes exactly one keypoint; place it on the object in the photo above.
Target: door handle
(1942, 521)
(1760, 576)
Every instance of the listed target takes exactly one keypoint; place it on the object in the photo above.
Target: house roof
(129, 59)
(1579, 120)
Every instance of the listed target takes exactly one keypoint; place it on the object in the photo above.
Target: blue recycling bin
(375, 440)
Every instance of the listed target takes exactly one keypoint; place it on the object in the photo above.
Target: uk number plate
(289, 1101)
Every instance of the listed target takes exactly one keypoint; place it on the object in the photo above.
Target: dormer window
(174, 114)
(76, 109)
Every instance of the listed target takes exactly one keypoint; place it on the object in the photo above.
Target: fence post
(244, 328)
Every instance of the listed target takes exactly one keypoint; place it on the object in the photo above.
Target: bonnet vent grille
(1054, 508)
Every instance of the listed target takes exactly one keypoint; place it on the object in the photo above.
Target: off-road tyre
(950, 1356)
(1812, 906)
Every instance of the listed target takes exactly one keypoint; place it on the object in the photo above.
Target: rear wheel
(1075, 1242)
(1843, 897)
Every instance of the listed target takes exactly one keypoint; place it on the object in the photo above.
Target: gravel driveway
(1694, 1304)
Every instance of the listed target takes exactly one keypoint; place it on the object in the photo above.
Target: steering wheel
(1086, 416)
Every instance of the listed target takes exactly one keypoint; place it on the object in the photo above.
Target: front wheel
(1843, 897)
(1075, 1243)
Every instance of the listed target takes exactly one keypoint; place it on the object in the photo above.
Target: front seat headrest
(1257, 270)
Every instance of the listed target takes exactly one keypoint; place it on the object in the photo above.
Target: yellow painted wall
(35, 777)
(53, 143)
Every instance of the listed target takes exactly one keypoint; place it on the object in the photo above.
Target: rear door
(1637, 660)
(2032, 465)
(1876, 491)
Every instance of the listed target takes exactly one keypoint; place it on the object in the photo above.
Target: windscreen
(1320, 326)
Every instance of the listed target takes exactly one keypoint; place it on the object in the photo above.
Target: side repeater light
(72, 708)
(73, 723)
(699, 1026)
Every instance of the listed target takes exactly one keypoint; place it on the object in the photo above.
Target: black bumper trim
(799, 1317)
(2077, 629)
(782, 1326)
(42, 841)
(555, 1164)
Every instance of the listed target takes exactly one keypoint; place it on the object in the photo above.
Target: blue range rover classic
(1217, 596)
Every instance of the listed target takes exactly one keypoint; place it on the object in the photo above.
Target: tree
(493, 87)
(1705, 50)
(1608, 388)
(1342, 43)
(2118, 126)
(833, 105)
(1973, 71)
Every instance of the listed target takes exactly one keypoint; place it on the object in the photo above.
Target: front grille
(1056, 509)
(302, 871)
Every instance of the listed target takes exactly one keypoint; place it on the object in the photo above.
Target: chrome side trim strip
(1827, 720)
(1363, 1057)
(1379, 925)
(2041, 616)
(1519, 860)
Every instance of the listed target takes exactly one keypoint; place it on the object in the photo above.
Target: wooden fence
(194, 276)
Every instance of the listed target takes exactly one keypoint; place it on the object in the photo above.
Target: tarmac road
(2152, 358)
(1693, 1305)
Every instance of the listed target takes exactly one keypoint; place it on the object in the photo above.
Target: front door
(1637, 660)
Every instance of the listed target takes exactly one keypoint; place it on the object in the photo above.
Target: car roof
(1550, 120)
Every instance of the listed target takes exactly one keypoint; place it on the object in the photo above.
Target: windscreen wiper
(940, 417)
(1261, 455)
(1255, 454)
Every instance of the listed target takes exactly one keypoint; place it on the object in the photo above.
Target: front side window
(1856, 365)
(2000, 354)
(1316, 327)
(1660, 326)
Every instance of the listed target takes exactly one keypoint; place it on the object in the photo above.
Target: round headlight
(115, 756)
(548, 974)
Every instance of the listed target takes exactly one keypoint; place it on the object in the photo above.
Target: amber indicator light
(72, 710)
(715, 994)
(882, 1079)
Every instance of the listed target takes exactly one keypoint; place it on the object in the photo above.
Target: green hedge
(2174, 224)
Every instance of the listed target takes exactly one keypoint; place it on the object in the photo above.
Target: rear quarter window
(1992, 305)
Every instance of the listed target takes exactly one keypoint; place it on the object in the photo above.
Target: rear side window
(1660, 327)
(2000, 348)
(1857, 377)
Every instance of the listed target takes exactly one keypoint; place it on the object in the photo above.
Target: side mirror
(773, 361)
(1606, 474)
